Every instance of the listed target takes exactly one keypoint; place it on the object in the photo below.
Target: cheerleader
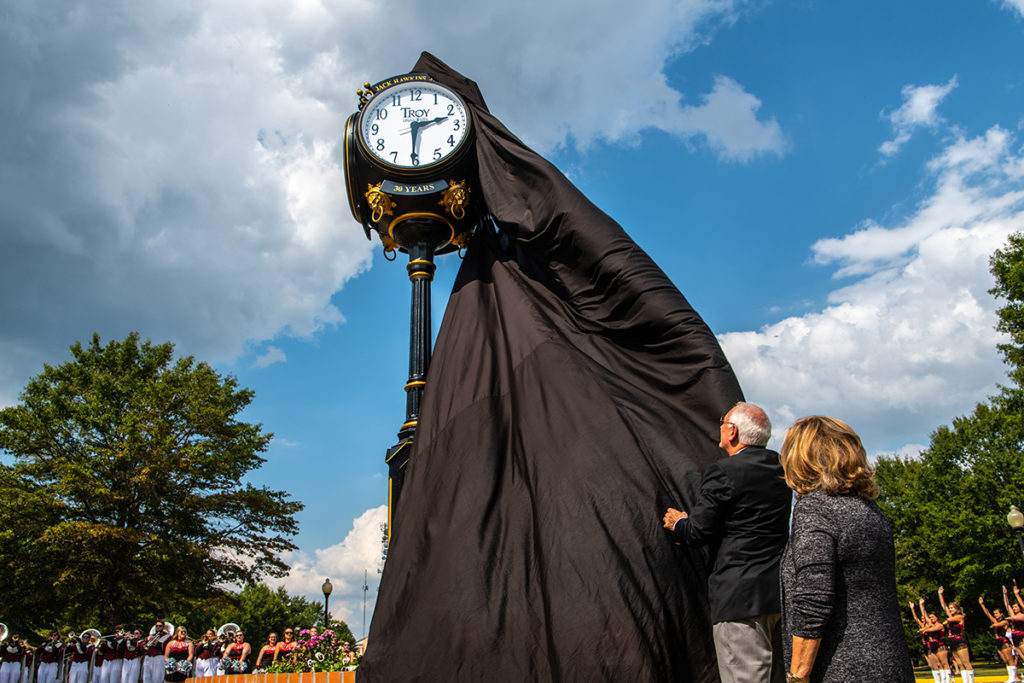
(1015, 615)
(1001, 627)
(286, 650)
(179, 649)
(81, 656)
(12, 659)
(207, 654)
(267, 654)
(236, 655)
(956, 638)
(931, 642)
(50, 653)
(131, 657)
(153, 662)
(932, 636)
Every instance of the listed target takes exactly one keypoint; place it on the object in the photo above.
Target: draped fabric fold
(573, 395)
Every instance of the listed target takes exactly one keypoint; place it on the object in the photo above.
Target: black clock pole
(421, 238)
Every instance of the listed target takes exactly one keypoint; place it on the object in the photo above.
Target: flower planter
(318, 677)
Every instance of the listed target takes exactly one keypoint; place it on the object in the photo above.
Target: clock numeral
(435, 98)
(374, 129)
(456, 124)
(451, 140)
(451, 109)
(382, 113)
(380, 144)
(437, 153)
(394, 157)
(396, 100)
(417, 95)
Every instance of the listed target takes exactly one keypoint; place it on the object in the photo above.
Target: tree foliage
(260, 610)
(125, 500)
(948, 507)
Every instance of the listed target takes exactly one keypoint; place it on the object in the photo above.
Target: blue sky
(823, 180)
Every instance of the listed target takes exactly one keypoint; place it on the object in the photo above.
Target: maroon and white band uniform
(113, 657)
(49, 654)
(131, 664)
(153, 662)
(11, 660)
(11, 656)
(81, 656)
(97, 662)
(206, 658)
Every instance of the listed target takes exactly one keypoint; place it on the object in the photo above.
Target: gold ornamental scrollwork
(380, 203)
(455, 199)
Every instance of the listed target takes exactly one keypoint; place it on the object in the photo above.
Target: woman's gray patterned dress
(839, 584)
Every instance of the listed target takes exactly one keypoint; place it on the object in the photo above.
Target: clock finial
(364, 94)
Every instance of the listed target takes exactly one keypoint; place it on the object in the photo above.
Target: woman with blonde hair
(840, 613)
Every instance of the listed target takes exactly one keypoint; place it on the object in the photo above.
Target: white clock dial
(413, 125)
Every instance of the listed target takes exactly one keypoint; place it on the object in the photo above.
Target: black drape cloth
(573, 395)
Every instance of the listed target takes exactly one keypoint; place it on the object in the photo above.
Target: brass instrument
(227, 631)
(168, 628)
(3, 632)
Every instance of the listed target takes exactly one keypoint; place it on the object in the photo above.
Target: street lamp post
(327, 588)
(1016, 521)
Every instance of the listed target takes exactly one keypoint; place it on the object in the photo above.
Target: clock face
(413, 125)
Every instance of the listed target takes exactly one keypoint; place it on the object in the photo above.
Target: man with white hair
(742, 515)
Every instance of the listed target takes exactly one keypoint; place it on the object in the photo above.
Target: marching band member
(50, 654)
(207, 654)
(153, 662)
(113, 656)
(96, 669)
(131, 664)
(81, 655)
(28, 663)
(179, 649)
(12, 656)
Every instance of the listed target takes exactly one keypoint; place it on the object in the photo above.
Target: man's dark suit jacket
(742, 515)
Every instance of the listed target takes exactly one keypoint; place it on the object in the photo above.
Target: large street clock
(408, 157)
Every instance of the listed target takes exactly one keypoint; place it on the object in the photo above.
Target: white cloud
(911, 342)
(920, 104)
(174, 169)
(344, 564)
(271, 356)
(1014, 5)
(727, 118)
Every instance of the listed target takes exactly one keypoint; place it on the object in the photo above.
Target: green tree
(948, 507)
(125, 500)
(259, 610)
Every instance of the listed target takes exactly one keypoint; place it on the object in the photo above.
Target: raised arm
(1006, 601)
(1016, 593)
(913, 613)
(942, 601)
(984, 608)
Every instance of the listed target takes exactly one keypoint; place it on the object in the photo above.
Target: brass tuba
(226, 631)
(90, 634)
(168, 628)
(4, 632)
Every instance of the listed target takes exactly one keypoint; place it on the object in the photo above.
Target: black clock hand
(414, 129)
